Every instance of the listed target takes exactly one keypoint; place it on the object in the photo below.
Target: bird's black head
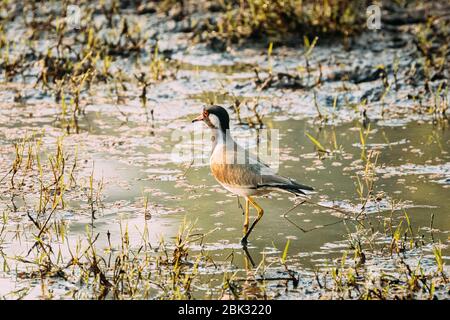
(215, 117)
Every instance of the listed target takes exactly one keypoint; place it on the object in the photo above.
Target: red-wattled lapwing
(240, 172)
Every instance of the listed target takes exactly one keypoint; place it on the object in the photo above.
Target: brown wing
(243, 175)
(251, 174)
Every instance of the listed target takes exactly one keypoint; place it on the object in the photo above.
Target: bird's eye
(205, 114)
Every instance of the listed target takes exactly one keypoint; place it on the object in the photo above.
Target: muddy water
(134, 161)
(413, 168)
(133, 156)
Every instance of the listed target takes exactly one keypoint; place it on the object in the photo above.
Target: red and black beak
(202, 117)
(199, 118)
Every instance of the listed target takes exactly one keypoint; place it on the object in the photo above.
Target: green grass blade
(316, 143)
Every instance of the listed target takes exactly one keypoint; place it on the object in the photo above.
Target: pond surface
(130, 152)
(136, 159)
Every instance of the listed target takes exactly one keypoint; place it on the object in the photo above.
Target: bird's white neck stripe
(219, 137)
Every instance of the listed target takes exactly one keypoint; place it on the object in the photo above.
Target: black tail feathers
(301, 186)
(293, 187)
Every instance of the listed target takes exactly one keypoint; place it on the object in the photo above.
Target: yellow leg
(260, 214)
(247, 215)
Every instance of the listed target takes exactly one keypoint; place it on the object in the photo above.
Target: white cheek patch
(214, 121)
(209, 123)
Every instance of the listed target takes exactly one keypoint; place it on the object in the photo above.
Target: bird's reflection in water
(251, 287)
(248, 260)
(245, 285)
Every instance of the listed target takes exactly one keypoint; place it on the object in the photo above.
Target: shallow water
(132, 163)
(133, 156)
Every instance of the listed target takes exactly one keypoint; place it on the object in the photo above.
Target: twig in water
(431, 226)
(6, 175)
(188, 168)
(319, 205)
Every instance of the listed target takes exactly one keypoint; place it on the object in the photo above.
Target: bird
(239, 171)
